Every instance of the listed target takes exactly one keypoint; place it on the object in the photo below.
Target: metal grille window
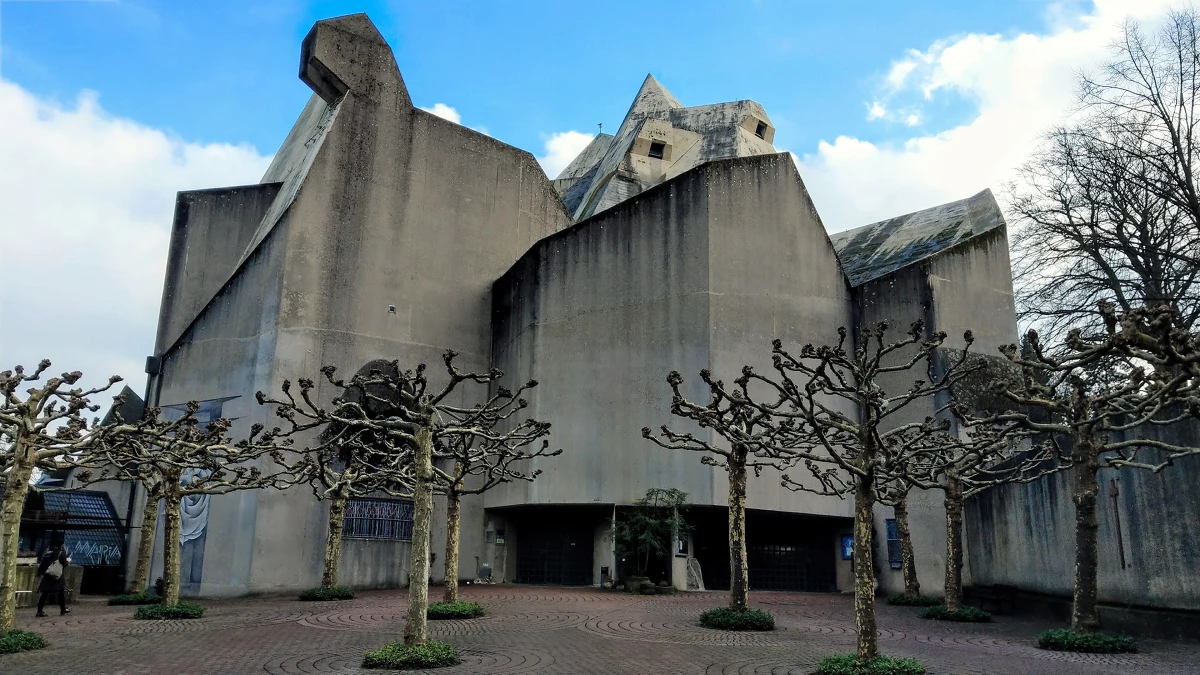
(378, 519)
(893, 544)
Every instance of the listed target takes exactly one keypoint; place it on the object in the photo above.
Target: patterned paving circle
(476, 660)
(683, 633)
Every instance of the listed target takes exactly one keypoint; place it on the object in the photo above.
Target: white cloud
(876, 111)
(445, 112)
(1020, 84)
(561, 148)
(912, 120)
(88, 200)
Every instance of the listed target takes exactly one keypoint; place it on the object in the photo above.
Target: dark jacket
(49, 583)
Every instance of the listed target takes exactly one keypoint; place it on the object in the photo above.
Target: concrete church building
(683, 241)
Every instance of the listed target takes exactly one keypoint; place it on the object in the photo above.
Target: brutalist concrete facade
(382, 231)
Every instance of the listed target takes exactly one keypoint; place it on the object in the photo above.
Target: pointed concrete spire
(652, 98)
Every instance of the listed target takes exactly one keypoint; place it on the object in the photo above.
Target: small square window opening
(656, 149)
(761, 130)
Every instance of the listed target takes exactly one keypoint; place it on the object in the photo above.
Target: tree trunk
(1084, 615)
(333, 540)
(738, 567)
(172, 500)
(10, 513)
(418, 577)
(954, 551)
(141, 573)
(864, 568)
(908, 561)
(453, 502)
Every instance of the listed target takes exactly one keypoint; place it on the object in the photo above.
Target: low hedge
(183, 610)
(914, 600)
(454, 610)
(395, 656)
(1065, 640)
(332, 593)
(143, 598)
(967, 614)
(848, 664)
(20, 641)
(724, 618)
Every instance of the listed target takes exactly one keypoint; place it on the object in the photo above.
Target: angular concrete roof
(658, 140)
(876, 250)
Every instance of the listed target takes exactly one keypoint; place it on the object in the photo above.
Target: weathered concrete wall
(1024, 535)
(400, 209)
(772, 274)
(374, 564)
(699, 272)
(211, 230)
(968, 286)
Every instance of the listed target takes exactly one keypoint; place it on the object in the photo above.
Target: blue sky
(107, 109)
(226, 71)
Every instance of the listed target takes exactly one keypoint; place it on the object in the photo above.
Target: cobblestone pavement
(534, 629)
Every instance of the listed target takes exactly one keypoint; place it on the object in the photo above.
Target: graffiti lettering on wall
(87, 552)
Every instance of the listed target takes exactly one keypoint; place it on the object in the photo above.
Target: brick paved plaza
(549, 630)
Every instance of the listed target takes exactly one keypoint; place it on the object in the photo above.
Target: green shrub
(395, 656)
(331, 593)
(724, 618)
(848, 664)
(914, 600)
(1064, 640)
(143, 598)
(454, 610)
(969, 614)
(183, 610)
(20, 641)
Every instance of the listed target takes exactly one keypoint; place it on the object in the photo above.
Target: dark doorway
(554, 548)
(785, 552)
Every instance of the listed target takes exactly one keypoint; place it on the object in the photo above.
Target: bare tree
(38, 427)
(487, 456)
(837, 414)
(1103, 419)
(987, 453)
(1109, 207)
(894, 493)
(734, 417)
(184, 457)
(412, 422)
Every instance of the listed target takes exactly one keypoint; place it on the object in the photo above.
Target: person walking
(53, 570)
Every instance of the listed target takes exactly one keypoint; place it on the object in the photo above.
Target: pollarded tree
(988, 453)
(740, 422)
(416, 421)
(837, 414)
(894, 493)
(38, 427)
(489, 454)
(185, 457)
(1150, 380)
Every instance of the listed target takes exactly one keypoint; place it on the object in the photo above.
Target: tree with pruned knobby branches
(38, 428)
(490, 455)
(184, 457)
(412, 421)
(733, 417)
(1150, 379)
(987, 453)
(837, 419)
(349, 460)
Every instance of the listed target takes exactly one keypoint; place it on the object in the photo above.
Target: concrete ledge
(1154, 622)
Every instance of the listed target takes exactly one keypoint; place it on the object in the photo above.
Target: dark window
(656, 149)
(378, 519)
(761, 130)
(893, 544)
